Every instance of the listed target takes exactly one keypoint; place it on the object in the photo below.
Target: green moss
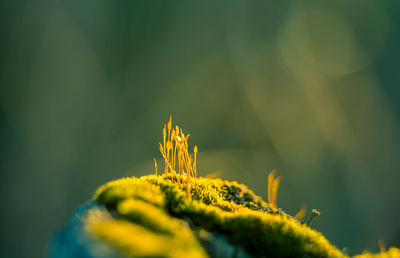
(392, 252)
(151, 216)
(174, 239)
(116, 191)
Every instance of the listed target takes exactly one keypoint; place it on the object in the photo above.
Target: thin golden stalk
(270, 183)
(275, 191)
(155, 165)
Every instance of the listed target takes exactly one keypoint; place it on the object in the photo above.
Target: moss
(154, 207)
(392, 252)
(151, 217)
(137, 240)
(113, 192)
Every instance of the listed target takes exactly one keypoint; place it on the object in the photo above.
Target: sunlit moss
(392, 252)
(177, 159)
(218, 206)
(137, 240)
(115, 191)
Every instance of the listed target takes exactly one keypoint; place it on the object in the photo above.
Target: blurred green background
(308, 87)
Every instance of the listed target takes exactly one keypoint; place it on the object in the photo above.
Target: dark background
(308, 87)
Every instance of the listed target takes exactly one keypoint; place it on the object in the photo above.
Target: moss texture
(392, 252)
(152, 216)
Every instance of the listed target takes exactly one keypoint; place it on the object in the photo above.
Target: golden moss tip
(273, 185)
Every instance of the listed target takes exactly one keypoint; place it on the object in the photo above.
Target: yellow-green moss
(136, 240)
(115, 191)
(151, 216)
(392, 252)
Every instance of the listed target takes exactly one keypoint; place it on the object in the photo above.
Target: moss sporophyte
(175, 145)
(177, 214)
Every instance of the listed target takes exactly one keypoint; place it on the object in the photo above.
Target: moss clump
(392, 252)
(151, 210)
(143, 230)
(152, 216)
(116, 191)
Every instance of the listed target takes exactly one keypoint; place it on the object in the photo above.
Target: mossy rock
(152, 216)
